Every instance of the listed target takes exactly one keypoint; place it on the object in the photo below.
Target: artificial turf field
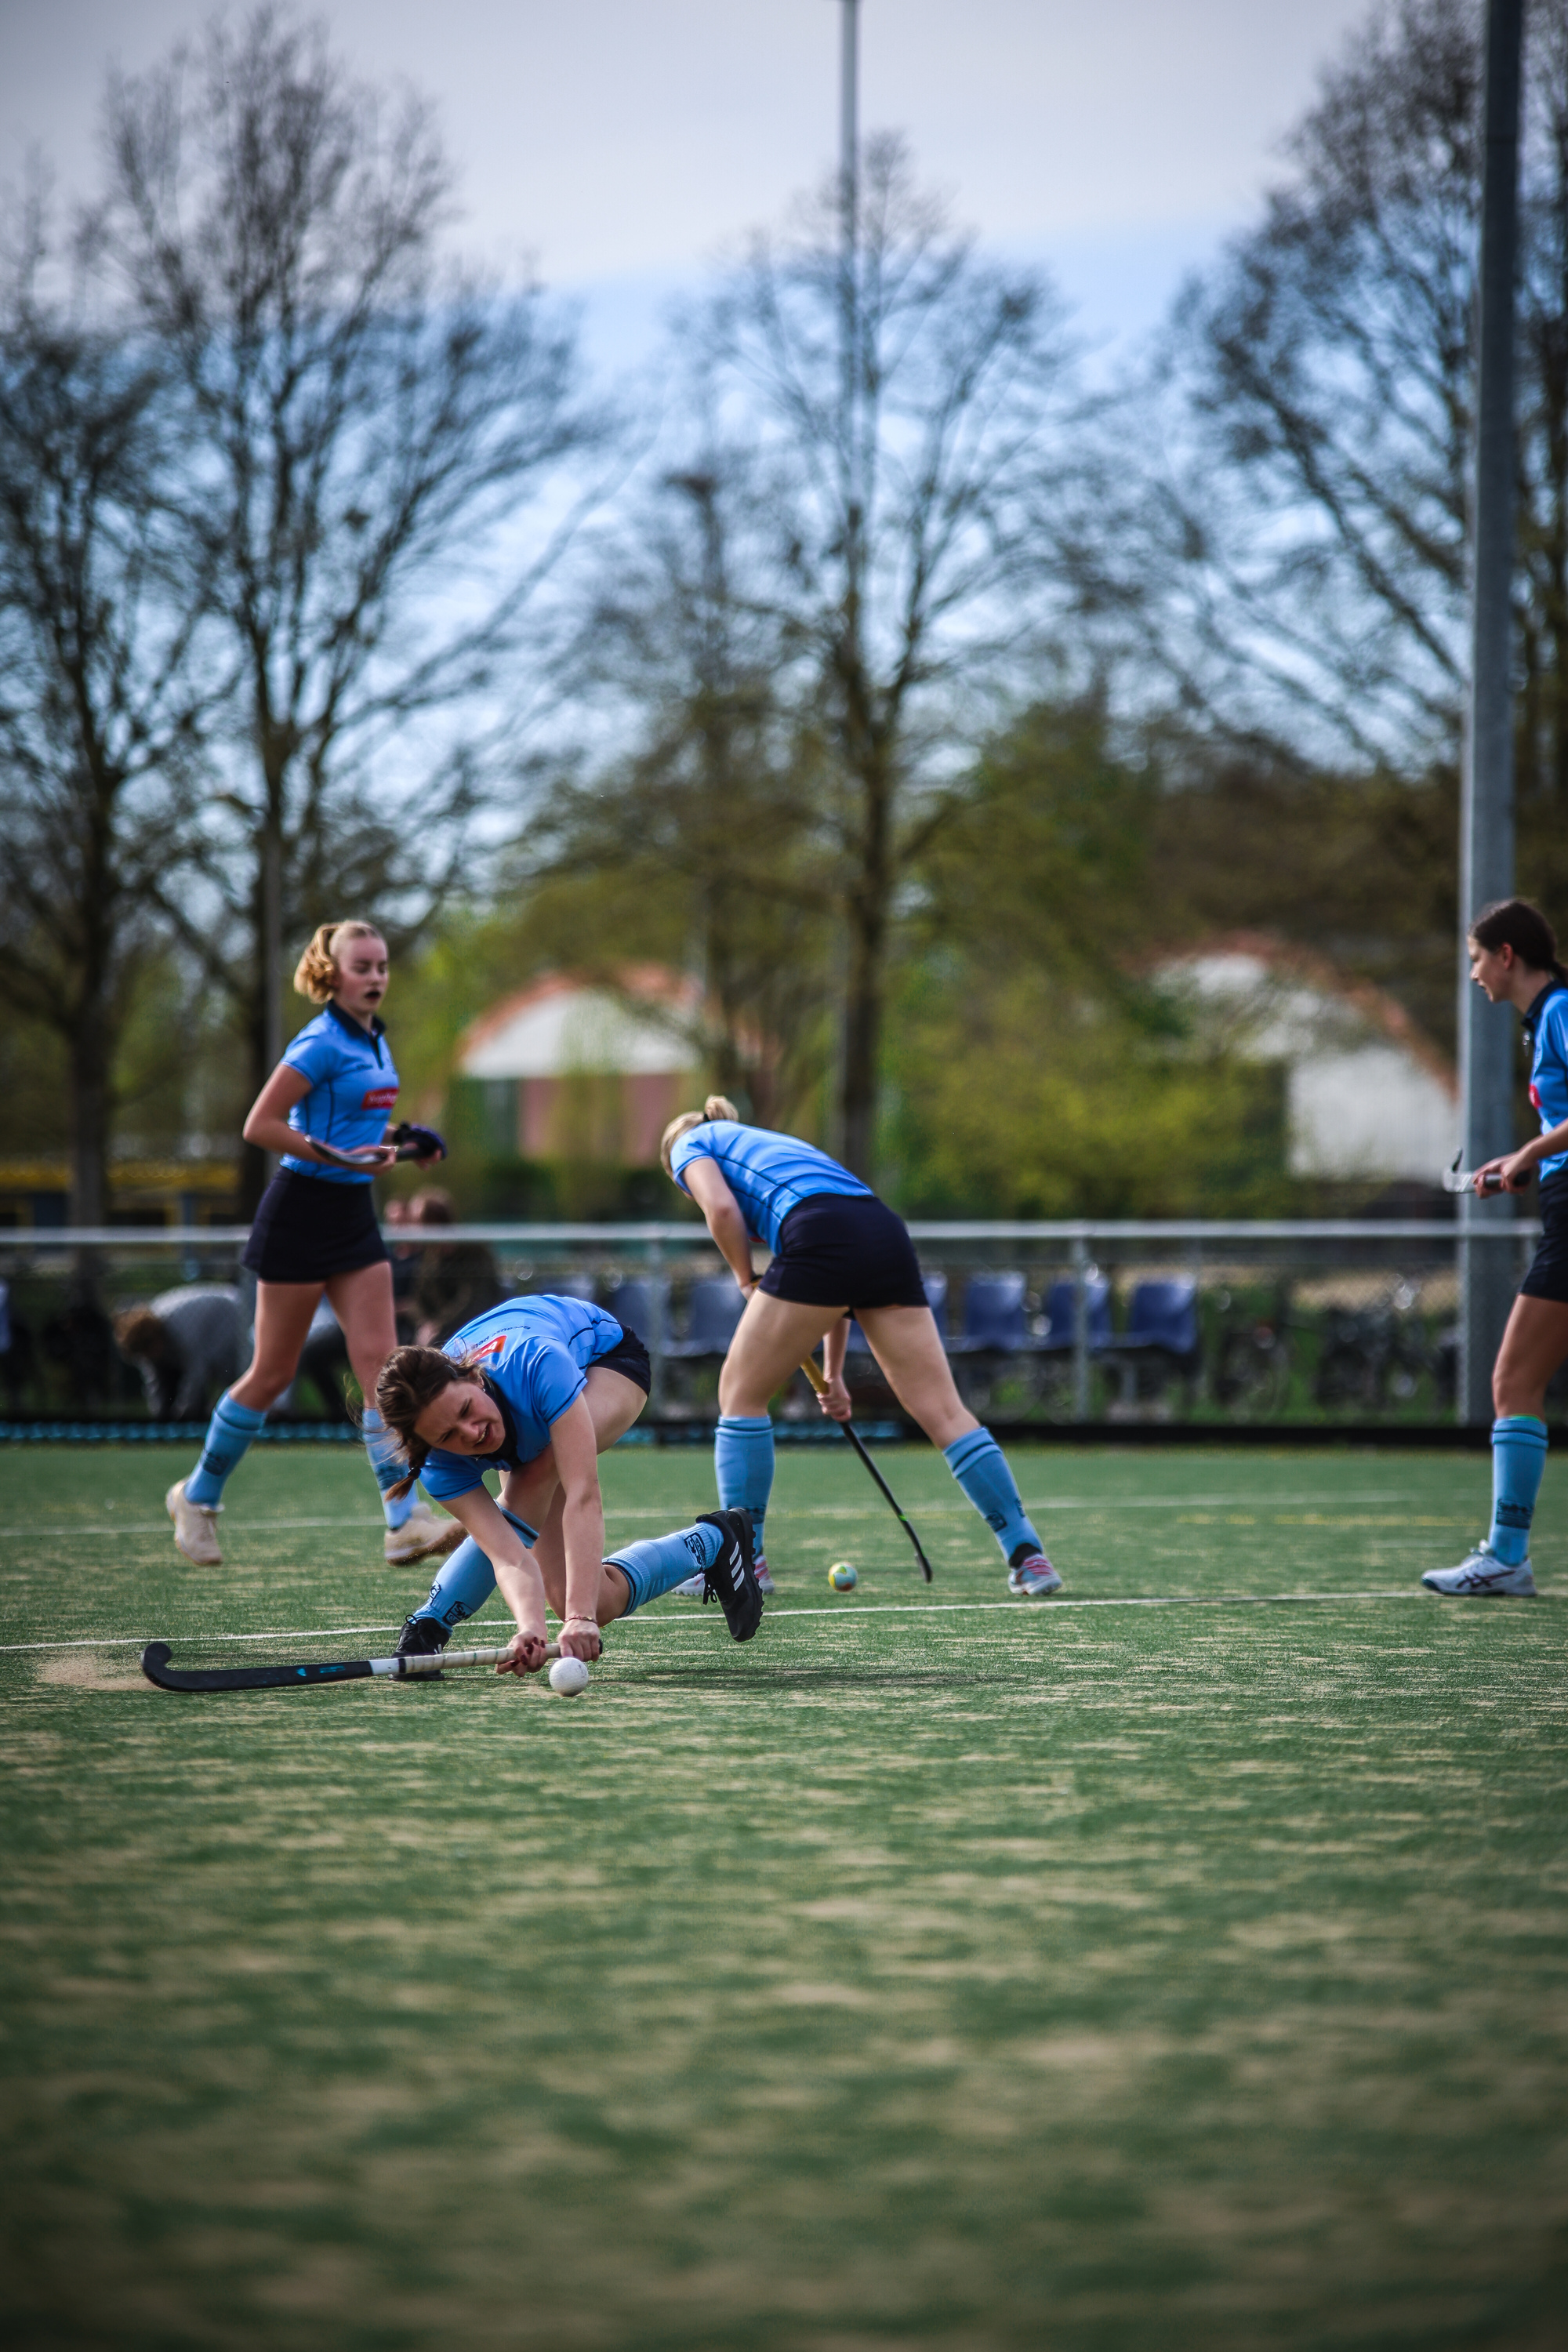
(920, 1974)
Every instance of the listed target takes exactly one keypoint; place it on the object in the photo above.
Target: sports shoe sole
(732, 1579)
(447, 1540)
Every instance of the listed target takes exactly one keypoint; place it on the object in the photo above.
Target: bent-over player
(837, 1251)
(537, 1389)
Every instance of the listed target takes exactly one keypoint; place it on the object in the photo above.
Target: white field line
(850, 1612)
(802, 1511)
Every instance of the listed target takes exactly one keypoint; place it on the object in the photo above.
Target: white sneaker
(195, 1526)
(423, 1534)
(692, 1589)
(1032, 1577)
(1481, 1573)
(765, 1581)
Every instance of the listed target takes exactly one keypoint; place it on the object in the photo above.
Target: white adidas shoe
(423, 1534)
(1481, 1573)
(195, 1526)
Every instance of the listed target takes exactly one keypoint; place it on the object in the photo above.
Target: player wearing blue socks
(325, 1111)
(1513, 957)
(837, 1251)
(537, 1389)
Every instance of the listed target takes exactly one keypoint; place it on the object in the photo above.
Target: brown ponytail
(716, 1106)
(408, 1382)
(1515, 923)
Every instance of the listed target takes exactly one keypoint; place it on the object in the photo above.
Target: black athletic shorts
(629, 1356)
(307, 1230)
(842, 1249)
(1548, 1276)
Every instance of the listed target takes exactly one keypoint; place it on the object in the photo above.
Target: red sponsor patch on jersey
(1535, 1093)
(380, 1099)
(489, 1348)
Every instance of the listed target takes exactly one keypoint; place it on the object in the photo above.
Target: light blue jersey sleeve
(316, 1054)
(1549, 1076)
(768, 1173)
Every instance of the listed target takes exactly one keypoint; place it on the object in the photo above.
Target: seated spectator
(457, 1280)
(188, 1344)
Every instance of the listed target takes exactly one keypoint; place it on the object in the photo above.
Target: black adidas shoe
(423, 1637)
(732, 1579)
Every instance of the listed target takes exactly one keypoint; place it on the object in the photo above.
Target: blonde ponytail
(716, 1106)
(316, 974)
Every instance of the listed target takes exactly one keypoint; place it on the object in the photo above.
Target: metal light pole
(1487, 845)
(849, 299)
(848, 449)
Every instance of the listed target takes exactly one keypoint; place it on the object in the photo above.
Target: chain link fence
(1283, 1324)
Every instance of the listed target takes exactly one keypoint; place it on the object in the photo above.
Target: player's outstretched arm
(575, 1444)
(725, 1221)
(521, 1585)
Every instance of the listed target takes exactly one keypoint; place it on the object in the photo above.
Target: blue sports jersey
(1546, 1034)
(768, 1173)
(534, 1353)
(353, 1090)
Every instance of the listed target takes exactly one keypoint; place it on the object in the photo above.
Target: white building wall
(1369, 1111)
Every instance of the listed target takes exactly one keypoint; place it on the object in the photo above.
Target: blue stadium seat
(715, 1308)
(1164, 1316)
(1060, 1309)
(640, 1305)
(996, 1321)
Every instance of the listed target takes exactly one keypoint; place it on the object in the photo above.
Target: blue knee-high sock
(466, 1579)
(743, 1463)
(661, 1563)
(229, 1433)
(980, 1466)
(1519, 1457)
(386, 1459)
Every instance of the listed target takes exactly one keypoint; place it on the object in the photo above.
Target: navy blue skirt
(1548, 1276)
(307, 1230)
(841, 1249)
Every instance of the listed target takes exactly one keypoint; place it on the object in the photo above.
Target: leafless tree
(1301, 566)
(911, 507)
(712, 814)
(366, 427)
(106, 691)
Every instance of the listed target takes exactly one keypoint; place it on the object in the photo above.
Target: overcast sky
(624, 142)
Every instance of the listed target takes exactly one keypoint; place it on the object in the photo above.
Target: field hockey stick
(156, 1667)
(819, 1385)
(1463, 1180)
(412, 1143)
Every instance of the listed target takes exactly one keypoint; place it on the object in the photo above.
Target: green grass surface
(959, 1976)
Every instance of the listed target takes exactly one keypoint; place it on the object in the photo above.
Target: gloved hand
(418, 1142)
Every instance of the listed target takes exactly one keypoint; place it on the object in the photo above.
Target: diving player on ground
(537, 1389)
(837, 1251)
(315, 1231)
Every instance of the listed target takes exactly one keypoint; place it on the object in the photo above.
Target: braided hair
(407, 1384)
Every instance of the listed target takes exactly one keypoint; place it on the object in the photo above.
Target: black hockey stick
(818, 1383)
(156, 1667)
